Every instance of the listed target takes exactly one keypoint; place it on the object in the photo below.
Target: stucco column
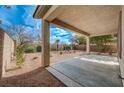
(45, 43)
(121, 60)
(1, 52)
(88, 44)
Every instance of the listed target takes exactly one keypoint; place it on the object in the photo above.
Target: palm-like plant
(57, 44)
(0, 21)
(80, 40)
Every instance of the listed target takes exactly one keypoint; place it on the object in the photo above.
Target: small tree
(20, 55)
(22, 38)
(72, 40)
(80, 40)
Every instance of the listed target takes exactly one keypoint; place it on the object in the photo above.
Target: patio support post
(88, 44)
(121, 59)
(45, 43)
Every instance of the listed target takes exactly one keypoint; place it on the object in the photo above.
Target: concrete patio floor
(88, 70)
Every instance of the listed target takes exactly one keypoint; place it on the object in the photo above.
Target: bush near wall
(29, 50)
(38, 48)
(94, 48)
(20, 59)
(104, 49)
(80, 47)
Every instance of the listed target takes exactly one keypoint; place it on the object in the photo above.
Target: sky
(23, 15)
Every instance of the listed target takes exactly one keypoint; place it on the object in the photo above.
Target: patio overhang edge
(45, 11)
(41, 10)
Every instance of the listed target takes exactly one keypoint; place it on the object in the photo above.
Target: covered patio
(88, 21)
(88, 70)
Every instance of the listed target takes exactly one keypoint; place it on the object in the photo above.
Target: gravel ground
(36, 78)
(33, 61)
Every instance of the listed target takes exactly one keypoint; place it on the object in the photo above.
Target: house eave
(41, 11)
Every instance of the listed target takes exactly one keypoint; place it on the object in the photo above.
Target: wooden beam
(67, 26)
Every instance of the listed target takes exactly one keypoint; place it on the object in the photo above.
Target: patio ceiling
(87, 20)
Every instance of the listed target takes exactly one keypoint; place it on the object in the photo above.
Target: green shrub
(20, 55)
(38, 48)
(29, 50)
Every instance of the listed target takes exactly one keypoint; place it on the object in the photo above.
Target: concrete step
(63, 78)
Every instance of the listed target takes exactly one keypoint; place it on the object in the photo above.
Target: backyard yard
(94, 70)
(60, 52)
(32, 74)
(33, 61)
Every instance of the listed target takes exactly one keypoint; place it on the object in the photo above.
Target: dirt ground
(39, 77)
(33, 61)
(32, 73)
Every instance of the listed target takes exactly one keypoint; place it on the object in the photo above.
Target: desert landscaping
(32, 71)
(67, 50)
(33, 61)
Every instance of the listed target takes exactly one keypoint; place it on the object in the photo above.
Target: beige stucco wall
(8, 52)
